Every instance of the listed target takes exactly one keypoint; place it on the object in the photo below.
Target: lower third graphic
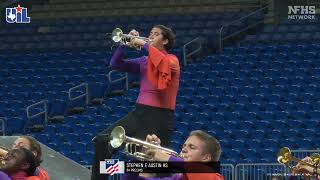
(111, 167)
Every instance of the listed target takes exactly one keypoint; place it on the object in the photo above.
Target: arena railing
(227, 170)
(124, 77)
(303, 153)
(195, 42)
(74, 89)
(43, 111)
(242, 19)
(260, 171)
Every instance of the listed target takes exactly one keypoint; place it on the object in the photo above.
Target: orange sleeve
(43, 174)
(160, 66)
(33, 178)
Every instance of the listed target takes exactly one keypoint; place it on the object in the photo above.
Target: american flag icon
(111, 167)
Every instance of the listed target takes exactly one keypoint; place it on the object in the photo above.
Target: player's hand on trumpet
(156, 154)
(135, 42)
(133, 32)
(138, 43)
(153, 139)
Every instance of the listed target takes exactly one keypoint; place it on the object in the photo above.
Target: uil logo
(17, 15)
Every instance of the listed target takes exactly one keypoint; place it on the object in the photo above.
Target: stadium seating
(244, 102)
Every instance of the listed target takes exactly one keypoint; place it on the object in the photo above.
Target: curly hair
(34, 147)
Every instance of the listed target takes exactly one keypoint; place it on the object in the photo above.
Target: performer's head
(201, 146)
(31, 144)
(20, 159)
(162, 37)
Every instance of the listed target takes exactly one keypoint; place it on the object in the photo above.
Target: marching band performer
(159, 82)
(199, 147)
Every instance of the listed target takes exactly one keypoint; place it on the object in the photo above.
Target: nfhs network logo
(301, 12)
(17, 15)
(111, 166)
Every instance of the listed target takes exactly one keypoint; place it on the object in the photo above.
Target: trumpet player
(159, 82)
(199, 147)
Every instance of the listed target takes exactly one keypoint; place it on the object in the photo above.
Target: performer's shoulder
(173, 57)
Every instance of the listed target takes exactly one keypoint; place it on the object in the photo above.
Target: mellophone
(135, 147)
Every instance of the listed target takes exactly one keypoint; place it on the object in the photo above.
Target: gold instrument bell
(2, 163)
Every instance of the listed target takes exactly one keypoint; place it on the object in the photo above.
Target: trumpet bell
(117, 35)
(117, 136)
(125, 39)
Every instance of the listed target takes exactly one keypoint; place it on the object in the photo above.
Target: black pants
(140, 122)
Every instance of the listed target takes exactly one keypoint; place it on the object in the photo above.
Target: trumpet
(284, 157)
(134, 147)
(125, 39)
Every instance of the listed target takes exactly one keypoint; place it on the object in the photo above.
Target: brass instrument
(134, 147)
(118, 36)
(2, 163)
(284, 157)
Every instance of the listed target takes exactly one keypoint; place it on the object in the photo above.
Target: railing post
(85, 94)
(43, 112)
(125, 77)
(268, 169)
(230, 168)
(221, 38)
(184, 50)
